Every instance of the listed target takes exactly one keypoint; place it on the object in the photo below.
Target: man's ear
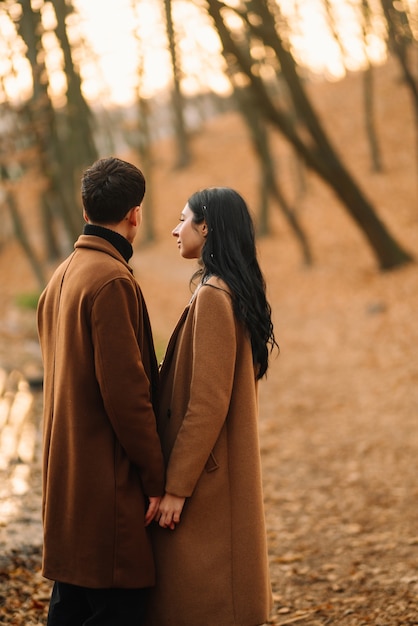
(133, 216)
(86, 219)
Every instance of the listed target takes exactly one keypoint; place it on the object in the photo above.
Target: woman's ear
(204, 229)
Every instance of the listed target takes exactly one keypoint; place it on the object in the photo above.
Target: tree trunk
(143, 144)
(80, 140)
(269, 183)
(368, 92)
(183, 153)
(23, 239)
(145, 153)
(369, 118)
(400, 40)
(43, 120)
(76, 121)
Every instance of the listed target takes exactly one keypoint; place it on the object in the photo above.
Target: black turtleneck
(121, 244)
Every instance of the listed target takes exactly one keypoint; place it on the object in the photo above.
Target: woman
(212, 570)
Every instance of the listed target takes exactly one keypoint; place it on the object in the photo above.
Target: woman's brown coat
(212, 570)
(101, 449)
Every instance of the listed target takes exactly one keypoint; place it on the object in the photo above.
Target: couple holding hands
(152, 492)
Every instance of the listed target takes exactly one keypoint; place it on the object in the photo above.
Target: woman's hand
(170, 510)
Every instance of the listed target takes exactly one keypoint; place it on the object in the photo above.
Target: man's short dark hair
(110, 188)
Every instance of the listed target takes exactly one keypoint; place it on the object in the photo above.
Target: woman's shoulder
(217, 283)
(213, 290)
(213, 300)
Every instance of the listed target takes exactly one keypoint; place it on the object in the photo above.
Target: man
(103, 468)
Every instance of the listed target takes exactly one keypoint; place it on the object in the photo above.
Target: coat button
(168, 413)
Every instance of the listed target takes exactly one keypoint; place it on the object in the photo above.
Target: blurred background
(80, 80)
(309, 108)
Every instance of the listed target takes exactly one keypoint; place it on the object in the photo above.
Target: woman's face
(190, 236)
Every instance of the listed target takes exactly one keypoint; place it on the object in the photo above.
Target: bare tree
(142, 141)
(183, 152)
(402, 43)
(79, 140)
(368, 90)
(22, 236)
(269, 182)
(60, 198)
(61, 137)
(262, 19)
(42, 124)
(269, 186)
(11, 155)
(64, 136)
(364, 18)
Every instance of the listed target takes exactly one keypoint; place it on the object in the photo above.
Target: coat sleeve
(214, 354)
(124, 385)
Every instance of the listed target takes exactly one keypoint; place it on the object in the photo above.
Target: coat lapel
(172, 342)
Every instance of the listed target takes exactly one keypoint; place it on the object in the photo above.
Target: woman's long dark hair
(229, 252)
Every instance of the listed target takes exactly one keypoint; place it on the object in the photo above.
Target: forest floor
(339, 408)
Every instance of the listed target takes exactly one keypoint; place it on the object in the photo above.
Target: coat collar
(121, 244)
(213, 282)
(92, 242)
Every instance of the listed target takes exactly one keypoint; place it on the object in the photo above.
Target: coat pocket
(211, 464)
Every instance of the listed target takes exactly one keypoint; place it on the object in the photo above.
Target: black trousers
(81, 606)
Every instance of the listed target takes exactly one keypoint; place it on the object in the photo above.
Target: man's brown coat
(102, 454)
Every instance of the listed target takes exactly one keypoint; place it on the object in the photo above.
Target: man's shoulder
(88, 270)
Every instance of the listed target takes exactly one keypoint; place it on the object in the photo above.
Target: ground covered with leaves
(339, 408)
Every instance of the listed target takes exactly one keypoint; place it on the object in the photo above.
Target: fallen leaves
(24, 593)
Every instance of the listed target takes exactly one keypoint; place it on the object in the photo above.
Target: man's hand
(170, 510)
(153, 509)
